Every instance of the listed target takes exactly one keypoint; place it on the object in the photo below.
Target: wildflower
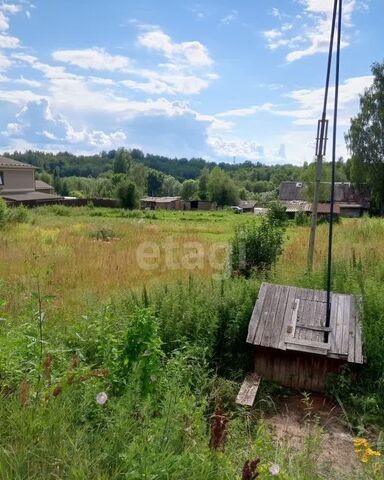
(101, 398)
(274, 469)
(372, 453)
(57, 391)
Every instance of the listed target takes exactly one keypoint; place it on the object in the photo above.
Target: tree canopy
(365, 139)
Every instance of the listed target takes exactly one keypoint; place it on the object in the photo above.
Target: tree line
(132, 173)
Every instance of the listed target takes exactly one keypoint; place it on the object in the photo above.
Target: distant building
(349, 202)
(248, 206)
(176, 203)
(18, 184)
(162, 203)
(44, 187)
(199, 205)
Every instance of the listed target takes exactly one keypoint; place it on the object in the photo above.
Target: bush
(301, 218)
(277, 214)
(12, 215)
(18, 214)
(255, 248)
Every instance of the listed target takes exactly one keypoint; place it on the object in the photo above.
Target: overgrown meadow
(114, 371)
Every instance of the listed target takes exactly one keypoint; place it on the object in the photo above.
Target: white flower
(101, 398)
(274, 469)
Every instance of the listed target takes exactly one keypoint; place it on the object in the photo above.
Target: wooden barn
(287, 331)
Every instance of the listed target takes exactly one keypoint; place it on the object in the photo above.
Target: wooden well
(287, 329)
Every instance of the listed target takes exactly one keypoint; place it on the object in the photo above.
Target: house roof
(247, 204)
(292, 318)
(40, 185)
(28, 196)
(160, 199)
(344, 192)
(10, 163)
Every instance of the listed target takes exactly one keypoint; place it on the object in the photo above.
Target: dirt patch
(297, 419)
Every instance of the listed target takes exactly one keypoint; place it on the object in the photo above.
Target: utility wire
(334, 140)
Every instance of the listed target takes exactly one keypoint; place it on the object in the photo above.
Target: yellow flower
(364, 459)
(360, 442)
(372, 453)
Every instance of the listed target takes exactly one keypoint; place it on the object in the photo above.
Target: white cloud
(10, 8)
(4, 22)
(246, 150)
(229, 18)
(310, 101)
(245, 112)
(6, 41)
(193, 53)
(167, 83)
(27, 81)
(5, 62)
(308, 33)
(93, 59)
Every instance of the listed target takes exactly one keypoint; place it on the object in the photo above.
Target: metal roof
(160, 199)
(10, 163)
(292, 318)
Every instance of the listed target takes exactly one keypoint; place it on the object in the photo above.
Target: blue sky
(218, 79)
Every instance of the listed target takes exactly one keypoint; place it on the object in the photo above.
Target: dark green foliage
(189, 189)
(128, 195)
(365, 139)
(122, 161)
(255, 248)
(141, 353)
(221, 188)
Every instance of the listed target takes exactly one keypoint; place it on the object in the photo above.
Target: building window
(1, 179)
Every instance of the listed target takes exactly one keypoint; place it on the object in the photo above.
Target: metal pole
(334, 140)
(321, 146)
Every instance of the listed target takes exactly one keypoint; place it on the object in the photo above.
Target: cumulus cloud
(308, 102)
(37, 123)
(93, 58)
(193, 53)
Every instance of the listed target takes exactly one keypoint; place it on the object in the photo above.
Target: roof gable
(10, 163)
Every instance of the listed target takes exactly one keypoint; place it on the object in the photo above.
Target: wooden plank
(307, 349)
(333, 323)
(358, 338)
(352, 330)
(248, 390)
(267, 305)
(279, 318)
(309, 343)
(315, 328)
(255, 318)
(346, 321)
(287, 316)
(270, 320)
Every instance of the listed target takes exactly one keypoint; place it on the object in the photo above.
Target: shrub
(301, 218)
(18, 214)
(255, 248)
(277, 214)
(104, 234)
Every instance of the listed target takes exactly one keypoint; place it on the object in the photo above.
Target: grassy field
(161, 330)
